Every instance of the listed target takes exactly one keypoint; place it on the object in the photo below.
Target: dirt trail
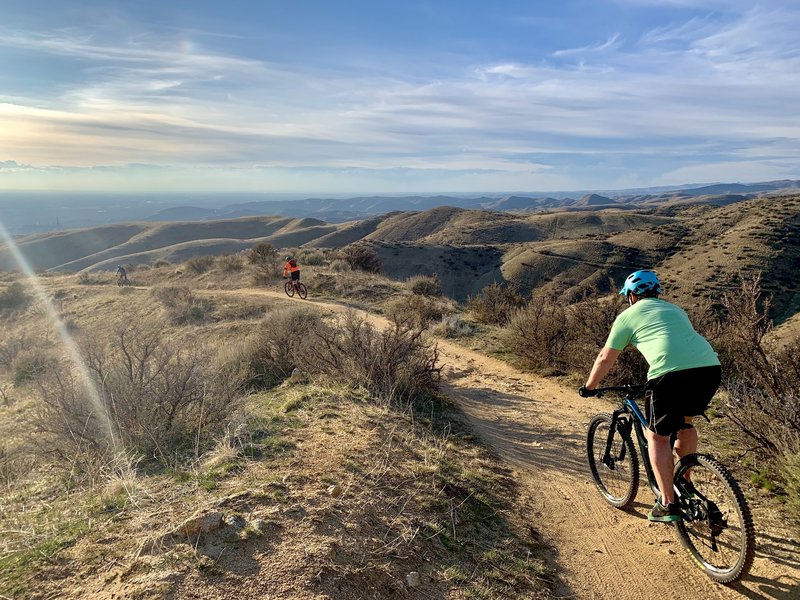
(539, 428)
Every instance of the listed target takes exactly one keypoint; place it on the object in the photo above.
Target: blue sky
(374, 96)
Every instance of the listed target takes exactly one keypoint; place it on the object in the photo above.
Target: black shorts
(679, 394)
(295, 275)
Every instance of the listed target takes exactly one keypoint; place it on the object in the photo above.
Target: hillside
(692, 245)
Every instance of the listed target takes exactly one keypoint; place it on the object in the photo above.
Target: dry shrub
(266, 262)
(312, 258)
(762, 379)
(12, 345)
(161, 263)
(340, 266)
(15, 297)
(199, 264)
(182, 306)
(453, 326)
(550, 336)
(230, 263)
(396, 365)
(361, 258)
(419, 311)
(276, 348)
(495, 304)
(424, 285)
(86, 278)
(147, 395)
(31, 364)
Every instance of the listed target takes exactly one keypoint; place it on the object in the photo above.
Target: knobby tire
(719, 535)
(618, 482)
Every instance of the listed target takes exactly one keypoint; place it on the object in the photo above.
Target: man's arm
(602, 365)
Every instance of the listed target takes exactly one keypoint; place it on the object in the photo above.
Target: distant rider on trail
(290, 267)
(683, 376)
(122, 275)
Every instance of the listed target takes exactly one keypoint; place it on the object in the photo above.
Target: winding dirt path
(538, 427)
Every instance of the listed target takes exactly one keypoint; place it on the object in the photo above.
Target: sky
(370, 96)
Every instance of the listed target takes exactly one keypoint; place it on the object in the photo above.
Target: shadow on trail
(526, 443)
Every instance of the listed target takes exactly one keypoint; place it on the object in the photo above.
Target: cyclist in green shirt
(684, 373)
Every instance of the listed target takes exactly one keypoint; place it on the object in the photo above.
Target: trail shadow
(527, 442)
(787, 588)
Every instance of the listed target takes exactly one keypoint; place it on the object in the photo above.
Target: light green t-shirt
(664, 335)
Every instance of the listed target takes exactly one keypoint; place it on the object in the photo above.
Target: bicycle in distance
(293, 287)
(716, 526)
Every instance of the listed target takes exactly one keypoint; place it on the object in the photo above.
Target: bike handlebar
(626, 389)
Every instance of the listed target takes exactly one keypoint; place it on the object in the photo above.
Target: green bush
(312, 258)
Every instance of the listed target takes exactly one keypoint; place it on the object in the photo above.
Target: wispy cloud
(696, 93)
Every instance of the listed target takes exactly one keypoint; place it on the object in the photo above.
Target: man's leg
(661, 459)
(687, 440)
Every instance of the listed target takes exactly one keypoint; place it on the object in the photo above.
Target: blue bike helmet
(641, 282)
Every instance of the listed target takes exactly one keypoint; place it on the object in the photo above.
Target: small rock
(413, 579)
(670, 551)
(236, 521)
(335, 490)
(200, 523)
(260, 525)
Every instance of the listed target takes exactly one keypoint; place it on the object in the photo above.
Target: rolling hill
(695, 246)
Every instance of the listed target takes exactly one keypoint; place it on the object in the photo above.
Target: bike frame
(629, 416)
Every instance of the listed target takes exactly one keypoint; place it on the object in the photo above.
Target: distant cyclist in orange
(290, 266)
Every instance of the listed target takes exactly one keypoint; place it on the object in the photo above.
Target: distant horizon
(434, 97)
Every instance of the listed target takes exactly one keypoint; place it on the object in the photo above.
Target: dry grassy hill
(692, 245)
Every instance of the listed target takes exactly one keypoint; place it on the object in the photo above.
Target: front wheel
(288, 288)
(717, 527)
(302, 291)
(617, 474)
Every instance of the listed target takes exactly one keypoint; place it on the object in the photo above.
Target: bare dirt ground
(538, 427)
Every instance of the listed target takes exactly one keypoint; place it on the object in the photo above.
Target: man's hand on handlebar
(583, 392)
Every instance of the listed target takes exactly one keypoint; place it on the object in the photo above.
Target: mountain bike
(122, 281)
(716, 526)
(291, 287)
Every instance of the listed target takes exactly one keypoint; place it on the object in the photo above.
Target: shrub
(495, 304)
(14, 297)
(161, 263)
(425, 285)
(10, 347)
(182, 306)
(230, 263)
(276, 348)
(312, 258)
(396, 365)
(86, 278)
(418, 311)
(340, 266)
(361, 258)
(539, 335)
(29, 365)
(264, 258)
(453, 326)
(199, 264)
(148, 395)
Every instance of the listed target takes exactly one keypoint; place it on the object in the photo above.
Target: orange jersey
(290, 267)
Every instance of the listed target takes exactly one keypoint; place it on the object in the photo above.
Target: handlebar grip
(586, 393)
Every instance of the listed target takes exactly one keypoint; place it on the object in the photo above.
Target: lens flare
(66, 339)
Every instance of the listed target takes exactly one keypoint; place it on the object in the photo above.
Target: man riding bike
(290, 267)
(683, 376)
(122, 275)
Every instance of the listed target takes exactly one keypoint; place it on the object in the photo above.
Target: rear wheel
(617, 477)
(288, 288)
(717, 527)
(302, 291)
